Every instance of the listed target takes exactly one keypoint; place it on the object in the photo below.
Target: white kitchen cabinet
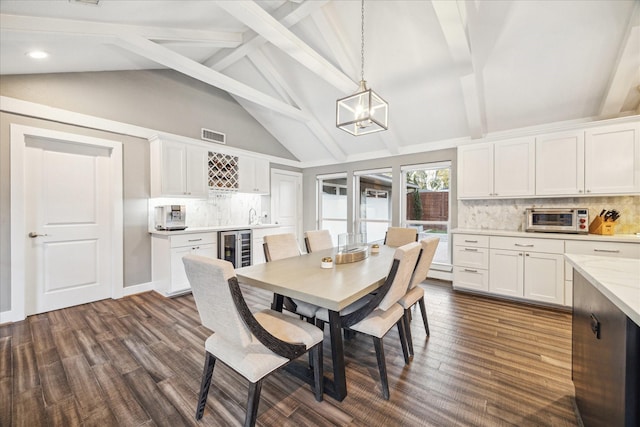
(257, 251)
(560, 164)
(178, 169)
(612, 159)
(527, 268)
(497, 170)
(167, 269)
(471, 262)
(254, 175)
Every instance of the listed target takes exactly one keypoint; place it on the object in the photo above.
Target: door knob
(33, 234)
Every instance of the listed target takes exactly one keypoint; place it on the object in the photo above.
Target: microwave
(557, 220)
(171, 217)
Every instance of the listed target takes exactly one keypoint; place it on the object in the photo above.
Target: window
(426, 205)
(332, 204)
(373, 199)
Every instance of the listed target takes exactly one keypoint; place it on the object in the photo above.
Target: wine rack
(223, 172)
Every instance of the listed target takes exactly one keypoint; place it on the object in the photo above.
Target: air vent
(213, 136)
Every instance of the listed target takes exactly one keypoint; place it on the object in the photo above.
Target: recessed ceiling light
(37, 54)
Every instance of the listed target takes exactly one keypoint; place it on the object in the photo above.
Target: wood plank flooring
(138, 361)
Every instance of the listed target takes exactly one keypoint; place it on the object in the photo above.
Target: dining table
(303, 278)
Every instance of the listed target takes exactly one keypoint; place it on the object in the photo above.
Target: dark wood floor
(137, 362)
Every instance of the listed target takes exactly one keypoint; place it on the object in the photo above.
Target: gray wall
(163, 100)
(310, 202)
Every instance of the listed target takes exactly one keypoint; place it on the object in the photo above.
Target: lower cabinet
(471, 262)
(257, 251)
(167, 269)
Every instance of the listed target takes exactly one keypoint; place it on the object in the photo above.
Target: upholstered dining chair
(398, 236)
(317, 240)
(285, 245)
(254, 345)
(415, 294)
(375, 315)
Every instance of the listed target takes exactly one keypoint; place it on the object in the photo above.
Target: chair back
(429, 247)
(317, 240)
(398, 236)
(280, 246)
(209, 279)
(407, 256)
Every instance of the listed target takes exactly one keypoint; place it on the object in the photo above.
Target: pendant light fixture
(365, 111)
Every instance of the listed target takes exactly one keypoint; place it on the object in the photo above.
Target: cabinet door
(196, 172)
(179, 281)
(507, 268)
(262, 175)
(560, 164)
(173, 173)
(254, 175)
(612, 160)
(514, 168)
(257, 251)
(544, 277)
(475, 171)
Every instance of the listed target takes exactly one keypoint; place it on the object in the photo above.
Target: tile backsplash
(508, 214)
(218, 209)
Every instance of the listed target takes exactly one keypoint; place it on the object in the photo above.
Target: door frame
(19, 134)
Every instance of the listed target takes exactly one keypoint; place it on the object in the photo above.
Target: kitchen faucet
(252, 216)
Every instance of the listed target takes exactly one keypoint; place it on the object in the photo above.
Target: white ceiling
(450, 70)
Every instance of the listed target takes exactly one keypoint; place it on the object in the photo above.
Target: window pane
(333, 206)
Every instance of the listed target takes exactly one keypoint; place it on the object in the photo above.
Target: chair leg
(382, 366)
(407, 328)
(207, 372)
(252, 404)
(403, 340)
(318, 371)
(423, 309)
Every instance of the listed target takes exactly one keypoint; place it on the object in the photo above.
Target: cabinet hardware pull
(609, 251)
(470, 270)
(194, 240)
(471, 241)
(470, 249)
(523, 246)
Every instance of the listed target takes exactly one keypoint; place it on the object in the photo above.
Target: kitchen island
(606, 339)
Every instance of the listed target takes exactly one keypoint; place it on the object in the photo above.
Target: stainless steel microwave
(557, 220)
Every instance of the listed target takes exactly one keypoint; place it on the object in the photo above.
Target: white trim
(137, 289)
(372, 171)
(440, 275)
(331, 175)
(18, 232)
(423, 166)
(8, 317)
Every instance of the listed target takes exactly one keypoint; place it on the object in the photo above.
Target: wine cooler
(235, 247)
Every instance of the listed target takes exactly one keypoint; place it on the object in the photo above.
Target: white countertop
(216, 228)
(621, 238)
(617, 278)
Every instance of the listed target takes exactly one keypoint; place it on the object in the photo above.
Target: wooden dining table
(303, 278)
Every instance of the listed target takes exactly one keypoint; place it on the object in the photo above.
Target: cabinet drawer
(464, 256)
(614, 249)
(471, 278)
(472, 240)
(192, 239)
(527, 244)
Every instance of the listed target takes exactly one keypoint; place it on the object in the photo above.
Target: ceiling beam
(224, 39)
(268, 27)
(334, 37)
(626, 74)
(453, 23)
(287, 16)
(268, 71)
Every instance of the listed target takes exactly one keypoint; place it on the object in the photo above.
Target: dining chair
(398, 236)
(375, 315)
(317, 240)
(415, 293)
(285, 245)
(254, 345)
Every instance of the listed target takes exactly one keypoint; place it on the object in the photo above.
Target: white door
(286, 201)
(67, 218)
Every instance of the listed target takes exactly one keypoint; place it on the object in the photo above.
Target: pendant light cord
(362, 45)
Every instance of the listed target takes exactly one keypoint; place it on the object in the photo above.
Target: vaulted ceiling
(450, 70)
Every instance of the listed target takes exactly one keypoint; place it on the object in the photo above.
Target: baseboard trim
(440, 275)
(8, 317)
(137, 289)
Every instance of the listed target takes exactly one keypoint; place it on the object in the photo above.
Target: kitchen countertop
(619, 238)
(216, 228)
(617, 278)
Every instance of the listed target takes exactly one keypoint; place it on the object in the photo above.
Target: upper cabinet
(596, 161)
(177, 169)
(254, 175)
(496, 170)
